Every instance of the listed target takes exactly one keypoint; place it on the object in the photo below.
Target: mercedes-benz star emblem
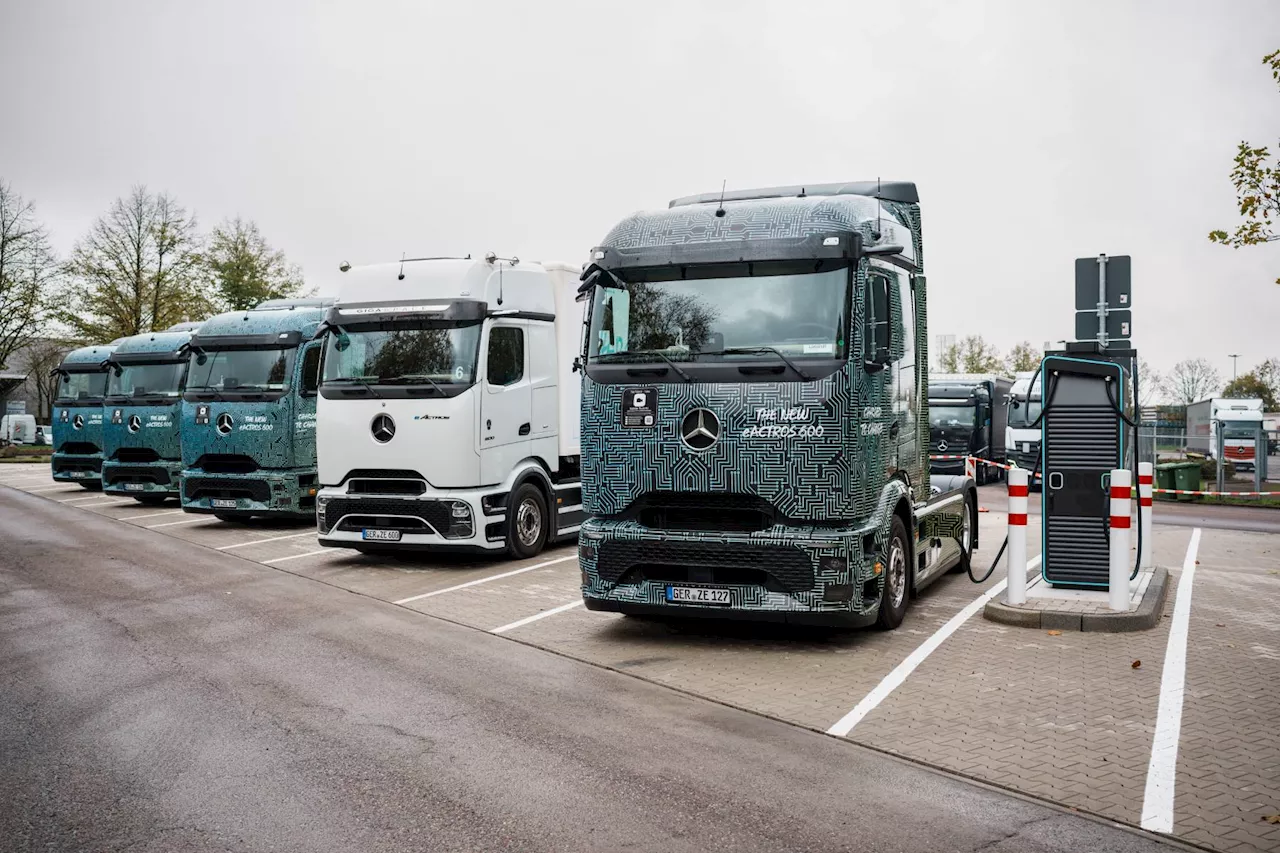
(225, 422)
(135, 423)
(700, 429)
(942, 447)
(384, 429)
(78, 423)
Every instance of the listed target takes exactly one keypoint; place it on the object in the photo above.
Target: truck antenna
(400, 277)
(720, 208)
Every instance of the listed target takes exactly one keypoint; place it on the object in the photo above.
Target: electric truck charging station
(1082, 441)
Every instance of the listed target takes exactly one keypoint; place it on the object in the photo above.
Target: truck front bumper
(150, 478)
(804, 576)
(76, 468)
(436, 520)
(264, 492)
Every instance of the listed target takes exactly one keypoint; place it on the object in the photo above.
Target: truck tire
(895, 592)
(527, 522)
(150, 500)
(94, 486)
(968, 525)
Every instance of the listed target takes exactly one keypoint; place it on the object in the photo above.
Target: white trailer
(448, 416)
(1243, 417)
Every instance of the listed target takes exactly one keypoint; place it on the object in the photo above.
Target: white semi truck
(448, 416)
(1240, 421)
(1022, 435)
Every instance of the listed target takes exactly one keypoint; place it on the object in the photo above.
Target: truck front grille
(777, 567)
(136, 474)
(198, 488)
(136, 455)
(80, 448)
(702, 511)
(68, 465)
(358, 513)
(226, 463)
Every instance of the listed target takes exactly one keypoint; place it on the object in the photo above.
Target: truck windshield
(1024, 414)
(231, 370)
(950, 416)
(158, 379)
(439, 356)
(83, 385)
(801, 316)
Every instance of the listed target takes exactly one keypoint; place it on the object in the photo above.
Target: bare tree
(1023, 357)
(245, 269)
(137, 270)
(41, 357)
(970, 354)
(1149, 384)
(28, 269)
(1190, 380)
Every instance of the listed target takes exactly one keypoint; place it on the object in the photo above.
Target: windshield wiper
(207, 389)
(753, 350)
(619, 356)
(410, 378)
(360, 380)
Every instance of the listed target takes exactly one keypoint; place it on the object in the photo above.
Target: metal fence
(1157, 445)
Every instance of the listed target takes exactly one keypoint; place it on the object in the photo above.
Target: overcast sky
(1036, 132)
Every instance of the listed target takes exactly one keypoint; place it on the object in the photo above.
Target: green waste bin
(1187, 477)
(1165, 479)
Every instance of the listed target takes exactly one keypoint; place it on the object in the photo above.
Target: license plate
(135, 487)
(697, 595)
(222, 503)
(81, 473)
(382, 535)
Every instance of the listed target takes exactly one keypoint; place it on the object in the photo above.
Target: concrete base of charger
(1085, 609)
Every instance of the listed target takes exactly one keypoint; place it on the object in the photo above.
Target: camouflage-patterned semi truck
(77, 416)
(249, 412)
(755, 412)
(141, 446)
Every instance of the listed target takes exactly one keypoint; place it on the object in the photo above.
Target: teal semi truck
(755, 411)
(142, 450)
(77, 416)
(249, 412)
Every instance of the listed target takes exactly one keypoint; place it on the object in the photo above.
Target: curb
(1143, 618)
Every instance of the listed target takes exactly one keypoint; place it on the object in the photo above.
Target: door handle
(525, 428)
(893, 430)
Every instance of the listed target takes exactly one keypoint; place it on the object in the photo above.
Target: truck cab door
(304, 413)
(506, 405)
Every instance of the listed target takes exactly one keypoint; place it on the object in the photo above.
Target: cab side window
(311, 370)
(506, 356)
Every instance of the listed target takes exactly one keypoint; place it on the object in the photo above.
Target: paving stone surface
(1067, 717)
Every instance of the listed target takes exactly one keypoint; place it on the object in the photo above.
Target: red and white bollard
(1121, 506)
(970, 468)
(1145, 476)
(1016, 590)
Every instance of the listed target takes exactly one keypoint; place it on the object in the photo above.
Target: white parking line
(153, 515)
(262, 541)
(900, 672)
(49, 488)
(535, 617)
(92, 496)
(295, 556)
(174, 523)
(1157, 801)
(110, 502)
(479, 581)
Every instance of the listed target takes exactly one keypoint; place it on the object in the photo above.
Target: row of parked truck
(727, 406)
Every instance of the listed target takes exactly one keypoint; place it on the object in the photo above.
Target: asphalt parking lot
(1080, 720)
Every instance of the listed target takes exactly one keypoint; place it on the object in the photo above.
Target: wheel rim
(966, 534)
(528, 522)
(897, 574)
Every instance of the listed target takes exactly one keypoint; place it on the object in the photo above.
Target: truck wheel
(527, 523)
(967, 526)
(150, 500)
(896, 591)
(95, 486)
(222, 516)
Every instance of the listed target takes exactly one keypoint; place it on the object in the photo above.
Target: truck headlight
(460, 526)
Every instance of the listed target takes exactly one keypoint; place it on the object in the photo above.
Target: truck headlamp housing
(460, 525)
